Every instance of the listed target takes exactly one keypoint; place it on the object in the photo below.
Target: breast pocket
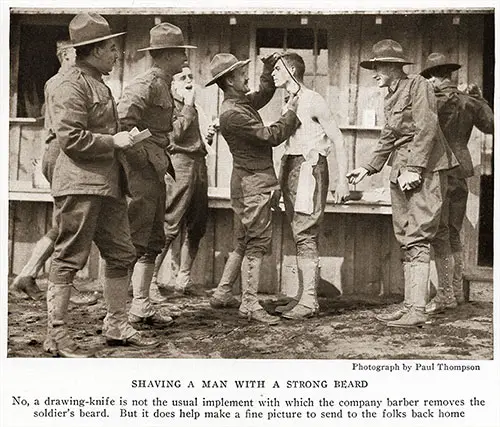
(400, 118)
(102, 116)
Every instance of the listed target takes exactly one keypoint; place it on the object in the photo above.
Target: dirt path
(346, 329)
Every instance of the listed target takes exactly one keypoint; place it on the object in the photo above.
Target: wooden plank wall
(358, 252)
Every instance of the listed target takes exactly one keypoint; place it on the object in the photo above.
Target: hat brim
(186, 46)
(227, 70)
(370, 64)
(98, 39)
(450, 66)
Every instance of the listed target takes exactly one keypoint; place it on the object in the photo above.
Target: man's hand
(356, 175)
(341, 194)
(473, 90)
(275, 201)
(122, 140)
(211, 133)
(409, 180)
(189, 97)
(270, 60)
(292, 103)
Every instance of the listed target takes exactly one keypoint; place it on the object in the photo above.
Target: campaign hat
(89, 27)
(224, 63)
(386, 51)
(438, 61)
(166, 36)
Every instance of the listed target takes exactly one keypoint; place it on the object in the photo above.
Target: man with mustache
(88, 188)
(253, 179)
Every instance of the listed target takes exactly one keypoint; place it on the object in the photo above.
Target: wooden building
(358, 251)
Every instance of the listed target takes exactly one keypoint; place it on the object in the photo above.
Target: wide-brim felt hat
(166, 36)
(89, 27)
(388, 51)
(436, 61)
(224, 63)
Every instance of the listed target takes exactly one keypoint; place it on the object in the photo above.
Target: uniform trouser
(252, 226)
(82, 219)
(48, 162)
(146, 211)
(305, 228)
(419, 220)
(187, 199)
(458, 193)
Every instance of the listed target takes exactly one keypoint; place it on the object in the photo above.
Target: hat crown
(88, 26)
(221, 62)
(166, 35)
(436, 59)
(388, 48)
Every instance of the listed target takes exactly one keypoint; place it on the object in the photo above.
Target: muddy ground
(345, 329)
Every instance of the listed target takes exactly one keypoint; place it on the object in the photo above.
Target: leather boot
(116, 328)
(83, 298)
(58, 342)
(416, 316)
(223, 295)
(458, 280)
(309, 276)
(445, 297)
(141, 310)
(250, 306)
(295, 300)
(401, 311)
(183, 283)
(25, 281)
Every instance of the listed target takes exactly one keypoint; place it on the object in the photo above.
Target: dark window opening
(485, 246)
(37, 63)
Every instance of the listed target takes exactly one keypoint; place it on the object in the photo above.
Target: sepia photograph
(250, 184)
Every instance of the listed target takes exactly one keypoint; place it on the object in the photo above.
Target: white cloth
(304, 199)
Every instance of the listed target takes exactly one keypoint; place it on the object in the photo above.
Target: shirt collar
(88, 69)
(394, 86)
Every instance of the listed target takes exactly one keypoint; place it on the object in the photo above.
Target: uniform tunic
(253, 177)
(88, 184)
(147, 103)
(413, 140)
(458, 113)
(187, 196)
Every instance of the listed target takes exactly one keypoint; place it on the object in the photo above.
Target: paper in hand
(401, 184)
(139, 136)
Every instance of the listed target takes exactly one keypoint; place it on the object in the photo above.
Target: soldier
(187, 197)
(25, 281)
(420, 158)
(88, 188)
(253, 179)
(305, 156)
(458, 113)
(147, 103)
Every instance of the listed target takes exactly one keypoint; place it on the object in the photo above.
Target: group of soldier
(134, 198)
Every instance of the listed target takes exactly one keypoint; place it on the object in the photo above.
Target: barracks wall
(358, 251)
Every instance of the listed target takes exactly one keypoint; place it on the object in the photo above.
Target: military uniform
(253, 181)
(187, 197)
(88, 188)
(147, 103)
(458, 114)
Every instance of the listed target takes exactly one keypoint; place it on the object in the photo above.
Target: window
(310, 43)
(37, 63)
